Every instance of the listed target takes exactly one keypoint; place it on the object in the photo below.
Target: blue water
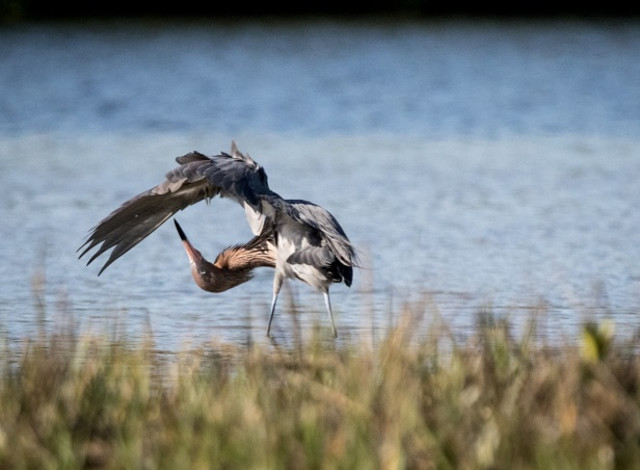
(476, 165)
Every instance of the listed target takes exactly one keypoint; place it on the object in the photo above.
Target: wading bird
(301, 240)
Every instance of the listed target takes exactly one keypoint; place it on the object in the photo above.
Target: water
(476, 165)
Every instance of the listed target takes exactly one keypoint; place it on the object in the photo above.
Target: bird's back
(312, 246)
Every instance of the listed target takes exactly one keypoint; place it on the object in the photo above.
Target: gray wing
(325, 224)
(198, 177)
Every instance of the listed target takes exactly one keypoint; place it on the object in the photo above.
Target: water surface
(475, 165)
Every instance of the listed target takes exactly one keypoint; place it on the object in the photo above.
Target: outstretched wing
(198, 177)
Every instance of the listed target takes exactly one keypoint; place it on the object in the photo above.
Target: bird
(299, 239)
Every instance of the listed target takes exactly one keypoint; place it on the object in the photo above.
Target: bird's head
(203, 272)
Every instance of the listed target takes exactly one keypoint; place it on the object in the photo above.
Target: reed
(72, 401)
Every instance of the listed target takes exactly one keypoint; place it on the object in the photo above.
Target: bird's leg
(327, 302)
(277, 284)
(273, 310)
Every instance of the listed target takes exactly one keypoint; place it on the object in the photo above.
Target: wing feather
(326, 224)
(197, 177)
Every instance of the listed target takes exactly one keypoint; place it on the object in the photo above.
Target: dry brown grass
(74, 401)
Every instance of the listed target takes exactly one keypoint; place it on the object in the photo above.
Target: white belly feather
(289, 240)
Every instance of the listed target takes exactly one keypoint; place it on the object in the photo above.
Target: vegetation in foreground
(70, 401)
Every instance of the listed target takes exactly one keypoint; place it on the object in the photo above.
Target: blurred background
(42, 9)
(480, 159)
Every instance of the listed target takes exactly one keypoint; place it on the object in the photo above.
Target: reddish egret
(301, 240)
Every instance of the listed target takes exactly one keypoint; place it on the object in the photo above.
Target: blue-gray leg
(277, 284)
(273, 310)
(327, 303)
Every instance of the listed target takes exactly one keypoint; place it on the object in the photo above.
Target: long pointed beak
(194, 255)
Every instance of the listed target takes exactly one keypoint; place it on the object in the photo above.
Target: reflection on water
(475, 166)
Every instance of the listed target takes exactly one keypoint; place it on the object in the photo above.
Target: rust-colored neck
(214, 279)
(233, 266)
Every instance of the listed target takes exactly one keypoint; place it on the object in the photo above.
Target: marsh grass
(72, 401)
